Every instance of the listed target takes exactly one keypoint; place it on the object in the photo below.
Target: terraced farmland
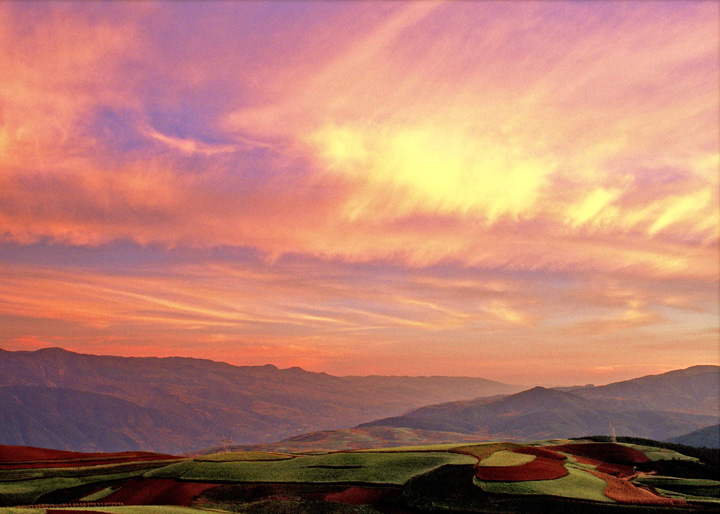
(483, 477)
(345, 467)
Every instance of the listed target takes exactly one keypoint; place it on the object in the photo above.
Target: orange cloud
(507, 158)
(569, 140)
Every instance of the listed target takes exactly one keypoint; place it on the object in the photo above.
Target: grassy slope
(11, 475)
(420, 448)
(709, 456)
(25, 492)
(243, 456)
(363, 438)
(655, 454)
(384, 467)
(354, 467)
(28, 486)
(684, 488)
(577, 484)
(507, 458)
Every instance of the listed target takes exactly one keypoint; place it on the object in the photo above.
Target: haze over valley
(58, 399)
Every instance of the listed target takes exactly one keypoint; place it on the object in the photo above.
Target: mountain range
(64, 400)
(708, 437)
(670, 405)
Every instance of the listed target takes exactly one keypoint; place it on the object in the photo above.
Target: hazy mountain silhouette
(708, 437)
(695, 390)
(182, 404)
(54, 417)
(66, 400)
(665, 407)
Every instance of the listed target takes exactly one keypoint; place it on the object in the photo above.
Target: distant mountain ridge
(708, 437)
(49, 417)
(694, 390)
(65, 400)
(666, 405)
(182, 404)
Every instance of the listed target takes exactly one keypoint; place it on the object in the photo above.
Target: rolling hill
(55, 417)
(708, 437)
(694, 390)
(492, 477)
(357, 438)
(541, 413)
(72, 401)
(105, 403)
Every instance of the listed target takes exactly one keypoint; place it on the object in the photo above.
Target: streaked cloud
(460, 150)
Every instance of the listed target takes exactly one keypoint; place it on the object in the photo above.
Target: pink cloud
(576, 140)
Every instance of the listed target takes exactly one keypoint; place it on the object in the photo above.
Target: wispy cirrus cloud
(563, 152)
(459, 143)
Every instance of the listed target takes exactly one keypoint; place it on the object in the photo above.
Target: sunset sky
(523, 191)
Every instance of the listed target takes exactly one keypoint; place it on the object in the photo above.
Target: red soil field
(358, 495)
(24, 457)
(540, 452)
(617, 470)
(540, 469)
(587, 460)
(625, 492)
(158, 491)
(21, 453)
(606, 452)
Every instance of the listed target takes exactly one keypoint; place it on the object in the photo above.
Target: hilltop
(655, 407)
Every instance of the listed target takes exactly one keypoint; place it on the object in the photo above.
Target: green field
(11, 475)
(421, 448)
(99, 495)
(434, 478)
(243, 456)
(26, 492)
(485, 450)
(653, 453)
(344, 467)
(691, 489)
(507, 458)
(577, 484)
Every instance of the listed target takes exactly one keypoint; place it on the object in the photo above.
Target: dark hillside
(708, 437)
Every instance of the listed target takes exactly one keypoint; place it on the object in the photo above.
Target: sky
(522, 191)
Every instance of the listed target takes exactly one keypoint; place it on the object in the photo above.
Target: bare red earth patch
(26, 457)
(587, 460)
(359, 495)
(158, 491)
(618, 470)
(625, 492)
(539, 469)
(605, 452)
(23, 453)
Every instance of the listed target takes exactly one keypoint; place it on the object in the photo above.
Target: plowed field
(625, 492)
(158, 491)
(605, 452)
